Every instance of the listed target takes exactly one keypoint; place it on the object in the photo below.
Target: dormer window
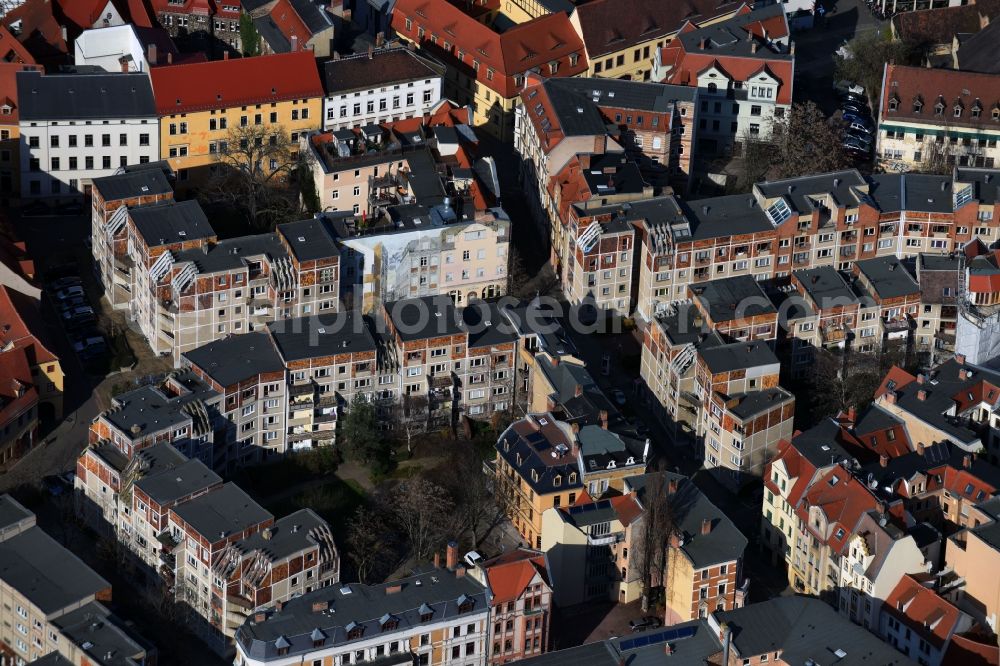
(318, 638)
(573, 59)
(572, 477)
(977, 109)
(996, 113)
(426, 613)
(354, 630)
(893, 104)
(282, 645)
(958, 111)
(388, 623)
(939, 109)
(557, 480)
(465, 604)
(553, 67)
(918, 105)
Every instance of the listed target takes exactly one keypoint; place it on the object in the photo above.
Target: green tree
(866, 56)
(307, 188)
(249, 37)
(360, 438)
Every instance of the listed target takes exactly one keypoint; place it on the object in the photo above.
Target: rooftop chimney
(578, 391)
(966, 461)
(451, 555)
(170, 58)
(964, 374)
(260, 617)
(151, 54)
(852, 414)
(706, 525)
(295, 43)
(890, 397)
(320, 606)
(604, 418)
(393, 589)
(920, 448)
(671, 486)
(883, 460)
(922, 394)
(753, 46)
(437, 560)
(960, 359)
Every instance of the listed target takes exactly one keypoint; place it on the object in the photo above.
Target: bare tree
(366, 541)
(424, 514)
(255, 165)
(756, 160)
(658, 523)
(807, 139)
(412, 417)
(480, 503)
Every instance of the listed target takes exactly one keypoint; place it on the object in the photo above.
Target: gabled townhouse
(973, 553)
(201, 105)
(24, 340)
(54, 603)
(938, 118)
(919, 623)
(744, 68)
(521, 595)
(110, 123)
(202, 23)
(487, 55)
(382, 86)
(438, 616)
(13, 59)
(544, 462)
(621, 38)
(290, 25)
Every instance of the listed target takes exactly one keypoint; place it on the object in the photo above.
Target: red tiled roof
(937, 26)
(898, 376)
(40, 33)
(8, 90)
(17, 319)
(235, 82)
(842, 499)
(17, 391)
(289, 23)
(83, 13)
(687, 66)
(509, 574)
(612, 25)
(972, 650)
(928, 615)
(522, 47)
(984, 284)
(12, 52)
(948, 86)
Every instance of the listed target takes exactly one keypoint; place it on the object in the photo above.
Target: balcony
(607, 540)
(833, 334)
(301, 390)
(325, 418)
(897, 325)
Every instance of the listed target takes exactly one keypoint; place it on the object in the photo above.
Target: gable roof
(381, 68)
(931, 617)
(84, 96)
(220, 84)
(608, 26)
(510, 573)
(978, 52)
(950, 87)
(19, 324)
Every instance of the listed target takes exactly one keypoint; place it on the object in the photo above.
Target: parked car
(619, 397)
(79, 311)
(859, 98)
(855, 118)
(71, 303)
(83, 320)
(65, 283)
(643, 623)
(859, 128)
(866, 139)
(856, 148)
(855, 107)
(845, 87)
(69, 292)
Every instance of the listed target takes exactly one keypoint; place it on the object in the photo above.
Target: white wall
(72, 181)
(401, 101)
(104, 47)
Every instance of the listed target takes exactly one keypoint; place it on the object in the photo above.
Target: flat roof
(731, 298)
(237, 357)
(344, 332)
(172, 222)
(222, 512)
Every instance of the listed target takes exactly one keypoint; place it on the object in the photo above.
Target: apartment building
(743, 66)
(522, 599)
(200, 21)
(487, 55)
(202, 105)
(938, 118)
(972, 552)
(52, 600)
(897, 295)
(290, 25)
(918, 622)
(250, 374)
(588, 459)
(620, 47)
(111, 196)
(19, 416)
(439, 616)
(64, 147)
(458, 361)
(382, 86)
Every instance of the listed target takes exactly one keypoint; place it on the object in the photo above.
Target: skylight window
(779, 212)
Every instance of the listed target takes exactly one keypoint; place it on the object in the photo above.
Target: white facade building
(77, 127)
(379, 87)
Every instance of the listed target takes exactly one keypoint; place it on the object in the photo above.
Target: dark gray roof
(826, 286)
(237, 357)
(12, 513)
(691, 642)
(101, 635)
(577, 115)
(729, 38)
(821, 444)
(287, 536)
(732, 298)
(753, 403)
(679, 325)
(889, 278)
(486, 325)
(51, 659)
(146, 182)
(364, 605)
(231, 254)
(805, 630)
(938, 262)
(85, 96)
(801, 193)
(170, 485)
(986, 181)
(618, 93)
(886, 191)
(427, 317)
(222, 512)
(725, 216)
(978, 53)
(624, 176)
(271, 34)
(737, 356)
(382, 68)
(344, 332)
(173, 222)
(690, 508)
(313, 14)
(928, 193)
(152, 410)
(310, 239)
(46, 574)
